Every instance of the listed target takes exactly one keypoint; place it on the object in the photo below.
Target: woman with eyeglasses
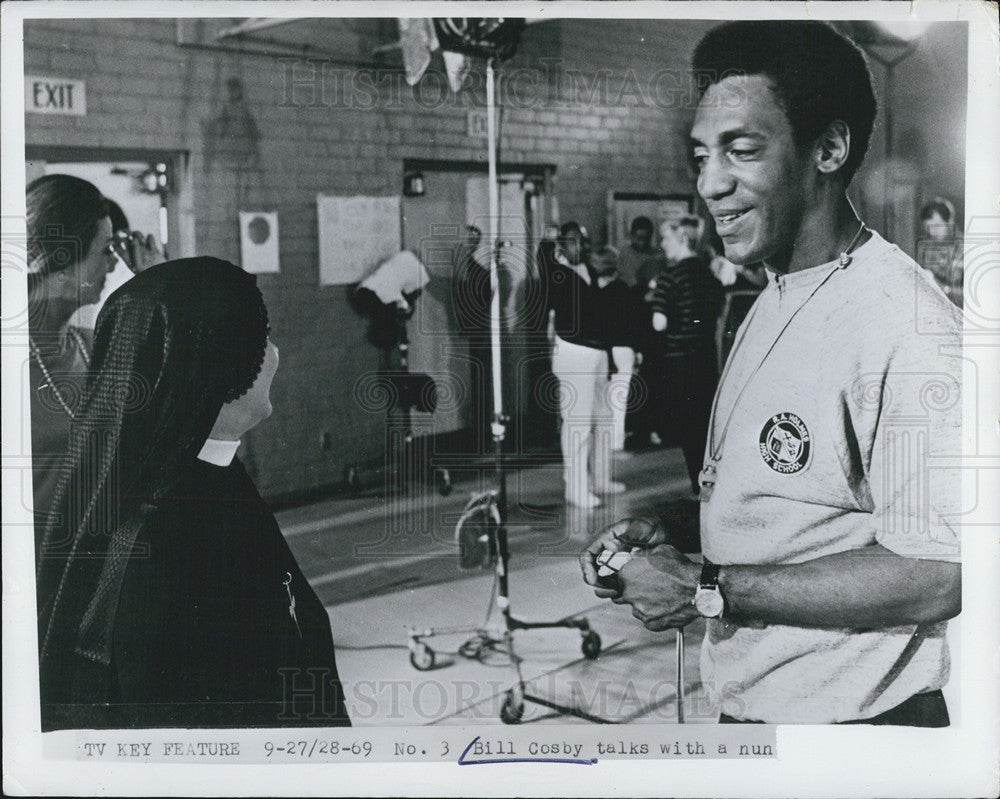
(76, 237)
(70, 251)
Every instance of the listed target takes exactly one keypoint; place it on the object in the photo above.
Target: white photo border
(812, 760)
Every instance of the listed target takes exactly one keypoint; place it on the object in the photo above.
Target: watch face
(709, 603)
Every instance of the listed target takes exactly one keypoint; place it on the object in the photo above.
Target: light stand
(495, 502)
(155, 180)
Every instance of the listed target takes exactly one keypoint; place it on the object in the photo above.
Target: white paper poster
(259, 241)
(356, 234)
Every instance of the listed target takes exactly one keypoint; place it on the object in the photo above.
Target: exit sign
(55, 95)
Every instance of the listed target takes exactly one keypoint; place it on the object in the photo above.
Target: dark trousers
(481, 394)
(689, 387)
(683, 389)
(672, 396)
(646, 397)
(920, 710)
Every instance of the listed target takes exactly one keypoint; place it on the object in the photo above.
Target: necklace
(707, 476)
(845, 256)
(36, 354)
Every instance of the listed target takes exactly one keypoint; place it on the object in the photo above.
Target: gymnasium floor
(385, 566)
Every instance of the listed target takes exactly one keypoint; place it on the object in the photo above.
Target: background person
(70, 250)
(622, 315)
(72, 247)
(167, 595)
(471, 300)
(638, 261)
(638, 265)
(685, 307)
(644, 424)
(581, 362)
(741, 283)
(135, 252)
(939, 250)
(471, 287)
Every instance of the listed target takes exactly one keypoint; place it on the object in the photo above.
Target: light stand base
(424, 658)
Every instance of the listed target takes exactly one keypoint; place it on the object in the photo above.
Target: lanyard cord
(715, 450)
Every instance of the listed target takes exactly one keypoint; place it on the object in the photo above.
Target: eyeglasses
(117, 246)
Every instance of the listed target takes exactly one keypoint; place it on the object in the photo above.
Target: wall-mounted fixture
(154, 180)
(413, 184)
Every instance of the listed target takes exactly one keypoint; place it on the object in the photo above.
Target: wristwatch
(708, 599)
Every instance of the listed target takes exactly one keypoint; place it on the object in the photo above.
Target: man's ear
(832, 147)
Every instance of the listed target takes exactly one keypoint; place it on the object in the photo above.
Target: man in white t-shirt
(830, 485)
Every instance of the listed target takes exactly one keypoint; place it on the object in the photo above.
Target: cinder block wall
(587, 104)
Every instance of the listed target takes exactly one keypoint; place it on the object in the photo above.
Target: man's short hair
(690, 228)
(641, 223)
(571, 228)
(817, 74)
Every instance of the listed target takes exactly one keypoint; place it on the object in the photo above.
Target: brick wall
(585, 105)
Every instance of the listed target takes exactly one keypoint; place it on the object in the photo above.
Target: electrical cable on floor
(488, 651)
(492, 601)
(494, 651)
(482, 646)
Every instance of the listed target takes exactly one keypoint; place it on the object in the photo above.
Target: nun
(167, 595)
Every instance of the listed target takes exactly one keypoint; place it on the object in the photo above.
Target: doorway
(434, 229)
(131, 180)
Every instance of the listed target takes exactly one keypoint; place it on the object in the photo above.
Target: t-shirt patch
(785, 443)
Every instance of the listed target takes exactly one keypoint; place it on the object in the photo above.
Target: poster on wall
(259, 241)
(356, 234)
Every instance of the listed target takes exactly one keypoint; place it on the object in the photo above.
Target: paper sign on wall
(259, 241)
(356, 234)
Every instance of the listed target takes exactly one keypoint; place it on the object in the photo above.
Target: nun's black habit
(165, 589)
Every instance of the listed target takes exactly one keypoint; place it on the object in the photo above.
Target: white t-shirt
(847, 435)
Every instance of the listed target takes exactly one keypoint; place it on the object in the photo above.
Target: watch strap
(709, 575)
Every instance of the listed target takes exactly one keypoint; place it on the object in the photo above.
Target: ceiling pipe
(254, 24)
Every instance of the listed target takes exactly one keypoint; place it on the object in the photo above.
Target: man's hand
(659, 584)
(621, 536)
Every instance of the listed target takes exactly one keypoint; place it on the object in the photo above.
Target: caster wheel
(422, 657)
(591, 645)
(512, 708)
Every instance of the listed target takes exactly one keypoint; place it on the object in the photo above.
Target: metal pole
(887, 178)
(503, 552)
(889, 63)
(494, 235)
(680, 676)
